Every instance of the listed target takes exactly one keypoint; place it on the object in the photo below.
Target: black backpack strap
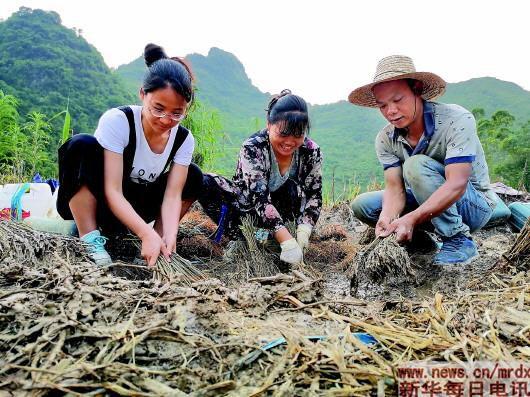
(130, 149)
(182, 134)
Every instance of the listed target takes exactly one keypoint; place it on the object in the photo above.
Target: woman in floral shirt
(278, 179)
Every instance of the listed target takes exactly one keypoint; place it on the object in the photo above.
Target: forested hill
(47, 66)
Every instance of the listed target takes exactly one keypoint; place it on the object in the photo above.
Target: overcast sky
(319, 49)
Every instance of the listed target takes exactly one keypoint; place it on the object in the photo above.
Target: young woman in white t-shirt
(136, 168)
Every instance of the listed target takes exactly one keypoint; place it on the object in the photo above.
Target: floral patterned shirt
(250, 184)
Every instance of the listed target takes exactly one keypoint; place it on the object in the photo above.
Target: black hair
(291, 111)
(163, 71)
(416, 86)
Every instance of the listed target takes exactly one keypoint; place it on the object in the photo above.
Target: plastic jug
(52, 213)
(37, 201)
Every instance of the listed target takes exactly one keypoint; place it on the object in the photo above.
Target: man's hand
(403, 227)
(382, 225)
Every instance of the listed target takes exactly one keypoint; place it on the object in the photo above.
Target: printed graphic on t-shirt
(143, 176)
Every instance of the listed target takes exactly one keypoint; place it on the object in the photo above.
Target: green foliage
(49, 67)
(66, 126)
(340, 191)
(24, 146)
(206, 128)
(478, 113)
(8, 111)
(490, 94)
(507, 147)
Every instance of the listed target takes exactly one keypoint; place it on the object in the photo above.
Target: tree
(507, 148)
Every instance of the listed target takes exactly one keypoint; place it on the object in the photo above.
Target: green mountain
(48, 66)
(345, 132)
(491, 94)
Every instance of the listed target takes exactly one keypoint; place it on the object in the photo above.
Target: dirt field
(69, 328)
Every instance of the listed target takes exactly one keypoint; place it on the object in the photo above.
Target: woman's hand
(282, 234)
(171, 243)
(303, 232)
(152, 246)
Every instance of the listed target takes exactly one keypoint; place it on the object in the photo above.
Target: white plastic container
(52, 225)
(52, 213)
(37, 201)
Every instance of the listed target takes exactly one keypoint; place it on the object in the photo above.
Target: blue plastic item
(37, 178)
(220, 228)
(16, 204)
(520, 213)
(54, 183)
(500, 214)
(365, 338)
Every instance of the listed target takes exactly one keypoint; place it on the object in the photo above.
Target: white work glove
(291, 252)
(303, 231)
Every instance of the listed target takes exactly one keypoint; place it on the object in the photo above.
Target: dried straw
(21, 243)
(72, 329)
(367, 236)
(178, 268)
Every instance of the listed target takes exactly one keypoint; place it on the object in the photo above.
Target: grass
(348, 190)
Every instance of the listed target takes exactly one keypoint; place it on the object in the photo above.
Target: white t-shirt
(113, 134)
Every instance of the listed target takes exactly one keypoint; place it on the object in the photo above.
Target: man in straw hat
(434, 164)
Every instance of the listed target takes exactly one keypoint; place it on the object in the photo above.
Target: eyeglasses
(160, 114)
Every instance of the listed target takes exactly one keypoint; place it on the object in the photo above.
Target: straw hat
(397, 67)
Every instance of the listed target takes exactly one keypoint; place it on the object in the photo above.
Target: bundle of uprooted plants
(251, 257)
(259, 257)
(381, 258)
(175, 270)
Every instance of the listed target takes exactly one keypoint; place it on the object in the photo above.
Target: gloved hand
(291, 252)
(303, 231)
